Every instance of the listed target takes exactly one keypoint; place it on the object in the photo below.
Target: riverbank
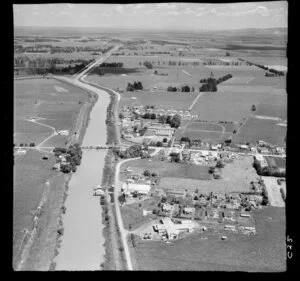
(93, 98)
(43, 243)
(114, 258)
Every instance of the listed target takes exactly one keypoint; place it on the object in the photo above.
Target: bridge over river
(97, 147)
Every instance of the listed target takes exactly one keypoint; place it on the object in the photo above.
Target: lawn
(132, 214)
(261, 129)
(264, 252)
(168, 169)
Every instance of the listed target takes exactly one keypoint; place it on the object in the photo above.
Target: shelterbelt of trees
(274, 71)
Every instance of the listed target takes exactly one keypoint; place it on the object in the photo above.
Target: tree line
(272, 70)
(210, 84)
(112, 64)
(267, 171)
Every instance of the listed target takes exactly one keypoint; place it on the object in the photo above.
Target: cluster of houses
(228, 210)
(263, 147)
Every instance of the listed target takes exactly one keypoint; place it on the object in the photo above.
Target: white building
(134, 187)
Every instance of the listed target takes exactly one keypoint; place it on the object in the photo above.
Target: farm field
(261, 129)
(167, 169)
(230, 105)
(274, 106)
(265, 252)
(235, 177)
(30, 175)
(167, 100)
(56, 103)
(45, 98)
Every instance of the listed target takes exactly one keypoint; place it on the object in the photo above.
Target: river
(82, 242)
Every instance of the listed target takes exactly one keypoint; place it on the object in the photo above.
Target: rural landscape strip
(166, 169)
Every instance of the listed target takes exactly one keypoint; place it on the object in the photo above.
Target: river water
(82, 242)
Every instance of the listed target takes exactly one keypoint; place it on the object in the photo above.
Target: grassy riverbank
(49, 229)
(82, 130)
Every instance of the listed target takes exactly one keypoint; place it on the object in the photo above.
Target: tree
(253, 108)
(159, 144)
(162, 119)
(153, 116)
(185, 139)
(146, 173)
(154, 175)
(165, 140)
(121, 115)
(220, 164)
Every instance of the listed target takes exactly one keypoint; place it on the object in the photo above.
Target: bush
(159, 144)
(283, 194)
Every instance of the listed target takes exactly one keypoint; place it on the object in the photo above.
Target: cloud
(261, 10)
(70, 6)
(172, 13)
(189, 11)
(148, 12)
(166, 6)
(120, 9)
(63, 13)
(138, 6)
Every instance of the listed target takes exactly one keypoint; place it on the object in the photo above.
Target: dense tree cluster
(175, 157)
(149, 116)
(210, 84)
(174, 121)
(131, 152)
(73, 156)
(135, 86)
(268, 171)
(148, 64)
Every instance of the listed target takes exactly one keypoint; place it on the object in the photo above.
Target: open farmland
(235, 178)
(166, 169)
(167, 100)
(264, 252)
(52, 101)
(55, 104)
(261, 129)
(228, 105)
(274, 106)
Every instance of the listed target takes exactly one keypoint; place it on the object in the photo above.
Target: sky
(193, 16)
